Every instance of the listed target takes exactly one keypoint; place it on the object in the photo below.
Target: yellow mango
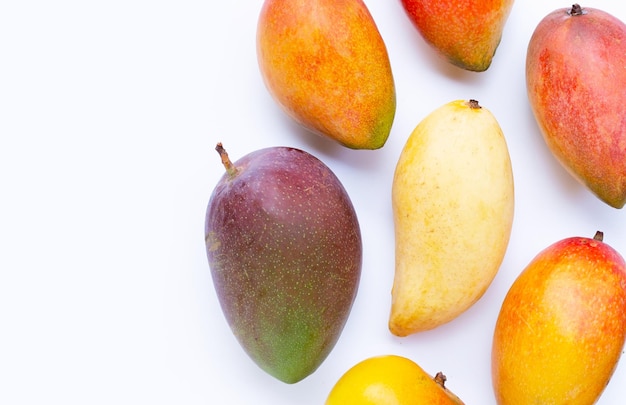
(453, 203)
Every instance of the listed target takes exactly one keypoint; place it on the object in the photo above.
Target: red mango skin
(326, 65)
(576, 81)
(562, 326)
(466, 32)
(284, 247)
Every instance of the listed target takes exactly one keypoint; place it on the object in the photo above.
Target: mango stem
(474, 104)
(440, 379)
(228, 165)
(576, 10)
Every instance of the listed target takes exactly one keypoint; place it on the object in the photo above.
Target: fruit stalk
(576, 10)
(228, 165)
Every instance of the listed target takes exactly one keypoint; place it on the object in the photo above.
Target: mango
(390, 379)
(284, 247)
(575, 81)
(453, 203)
(561, 328)
(466, 33)
(326, 65)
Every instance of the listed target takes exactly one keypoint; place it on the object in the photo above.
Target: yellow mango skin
(389, 380)
(326, 64)
(453, 204)
(561, 327)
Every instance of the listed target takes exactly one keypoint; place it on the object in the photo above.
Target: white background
(109, 115)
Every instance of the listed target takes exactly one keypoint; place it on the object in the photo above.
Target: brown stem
(440, 379)
(473, 104)
(576, 10)
(599, 236)
(228, 165)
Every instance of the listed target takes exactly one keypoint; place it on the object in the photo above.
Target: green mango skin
(284, 247)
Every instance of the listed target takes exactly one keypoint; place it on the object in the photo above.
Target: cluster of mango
(283, 239)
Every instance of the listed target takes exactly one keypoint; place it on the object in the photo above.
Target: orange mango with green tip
(326, 64)
(465, 32)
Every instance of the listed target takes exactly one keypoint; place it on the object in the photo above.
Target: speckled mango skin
(453, 205)
(465, 32)
(326, 65)
(575, 79)
(562, 325)
(284, 248)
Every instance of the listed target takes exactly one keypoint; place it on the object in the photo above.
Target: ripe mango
(284, 247)
(575, 79)
(390, 380)
(465, 32)
(453, 202)
(326, 65)
(561, 328)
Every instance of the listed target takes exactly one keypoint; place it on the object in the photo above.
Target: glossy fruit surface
(562, 325)
(466, 32)
(575, 80)
(390, 380)
(284, 247)
(326, 64)
(453, 203)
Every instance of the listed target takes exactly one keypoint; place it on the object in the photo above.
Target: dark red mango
(284, 248)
